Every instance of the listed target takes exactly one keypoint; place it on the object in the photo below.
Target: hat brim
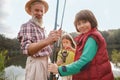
(28, 4)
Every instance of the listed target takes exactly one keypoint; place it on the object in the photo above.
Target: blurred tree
(115, 57)
(3, 61)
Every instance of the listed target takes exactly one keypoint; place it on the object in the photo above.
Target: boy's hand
(53, 68)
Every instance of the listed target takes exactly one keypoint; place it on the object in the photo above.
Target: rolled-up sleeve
(24, 37)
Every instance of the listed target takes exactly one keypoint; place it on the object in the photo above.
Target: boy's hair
(86, 15)
(69, 37)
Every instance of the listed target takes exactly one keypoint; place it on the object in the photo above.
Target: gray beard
(38, 22)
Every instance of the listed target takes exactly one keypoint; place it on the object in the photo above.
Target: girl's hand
(53, 68)
(59, 62)
(70, 49)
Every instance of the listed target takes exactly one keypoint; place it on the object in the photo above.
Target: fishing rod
(63, 14)
(53, 58)
(56, 44)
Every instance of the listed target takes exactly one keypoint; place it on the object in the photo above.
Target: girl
(67, 53)
(91, 56)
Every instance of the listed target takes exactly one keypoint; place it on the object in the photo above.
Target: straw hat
(28, 4)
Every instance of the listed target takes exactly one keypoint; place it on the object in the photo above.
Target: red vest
(99, 68)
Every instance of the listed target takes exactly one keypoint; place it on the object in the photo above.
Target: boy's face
(83, 26)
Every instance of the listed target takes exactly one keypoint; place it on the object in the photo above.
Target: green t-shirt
(89, 51)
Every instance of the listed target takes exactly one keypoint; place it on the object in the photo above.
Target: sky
(13, 15)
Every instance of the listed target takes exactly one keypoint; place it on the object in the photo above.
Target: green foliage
(115, 56)
(2, 62)
(12, 45)
(118, 78)
(112, 38)
(19, 60)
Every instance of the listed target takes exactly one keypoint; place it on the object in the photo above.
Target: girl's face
(66, 43)
(83, 26)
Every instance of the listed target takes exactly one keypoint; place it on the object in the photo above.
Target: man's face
(37, 10)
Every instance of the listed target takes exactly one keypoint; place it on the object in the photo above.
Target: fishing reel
(64, 55)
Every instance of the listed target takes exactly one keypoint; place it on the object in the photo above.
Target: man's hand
(54, 36)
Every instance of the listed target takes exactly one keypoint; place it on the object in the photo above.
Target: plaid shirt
(32, 33)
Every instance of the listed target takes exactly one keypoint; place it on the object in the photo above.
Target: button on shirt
(32, 33)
